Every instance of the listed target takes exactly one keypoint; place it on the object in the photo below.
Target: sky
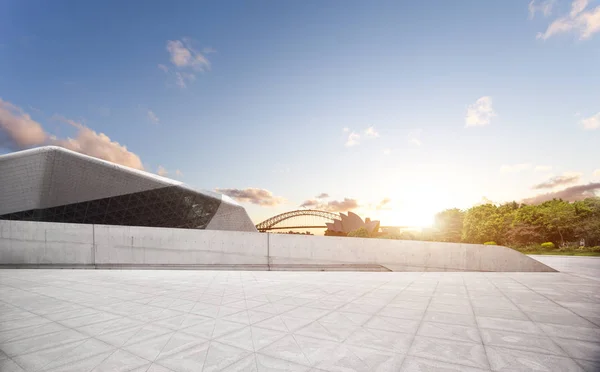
(393, 109)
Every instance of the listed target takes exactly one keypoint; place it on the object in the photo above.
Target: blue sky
(394, 109)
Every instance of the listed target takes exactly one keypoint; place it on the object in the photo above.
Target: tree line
(519, 225)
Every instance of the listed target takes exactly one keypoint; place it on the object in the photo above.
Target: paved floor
(157, 321)
(587, 267)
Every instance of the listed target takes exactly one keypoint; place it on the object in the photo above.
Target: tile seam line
(547, 298)
(437, 283)
(487, 357)
(531, 320)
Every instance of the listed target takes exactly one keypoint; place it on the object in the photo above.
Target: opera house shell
(53, 184)
(351, 222)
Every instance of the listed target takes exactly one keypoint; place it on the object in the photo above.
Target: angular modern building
(53, 184)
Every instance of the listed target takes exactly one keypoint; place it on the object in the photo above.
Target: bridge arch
(270, 224)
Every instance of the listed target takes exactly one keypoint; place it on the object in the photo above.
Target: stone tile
(186, 360)
(153, 368)
(74, 313)
(109, 326)
(588, 365)
(256, 363)
(288, 349)
(520, 326)
(314, 321)
(220, 356)
(520, 341)
(316, 350)
(456, 352)
(491, 312)
(449, 332)
(7, 365)
(555, 315)
(451, 308)
(580, 349)
(450, 318)
(393, 324)
(28, 332)
(28, 345)
(414, 364)
(63, 354)
(120, 361)
(572, 332)
(346, 318)
(398, 312)
(378, 360)
(502, 359)
(23, 323)
(381, 340)
(274, 323)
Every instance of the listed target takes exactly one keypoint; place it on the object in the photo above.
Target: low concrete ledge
(41, 244)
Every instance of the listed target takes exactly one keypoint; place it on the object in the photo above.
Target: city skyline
(392, 110)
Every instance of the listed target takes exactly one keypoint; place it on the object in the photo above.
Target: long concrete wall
(397, 255)
(41, 244)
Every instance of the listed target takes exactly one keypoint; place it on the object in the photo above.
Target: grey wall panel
(123, 245)
(52, 243)
(75, 178)
(397, 255)
(21, 181)
(231, 216)
(39, 243)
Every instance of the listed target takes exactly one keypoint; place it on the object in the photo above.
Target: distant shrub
(548, 245)
(359, 233)
(490, 243)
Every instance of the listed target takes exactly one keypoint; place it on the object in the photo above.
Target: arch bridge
(299, 219)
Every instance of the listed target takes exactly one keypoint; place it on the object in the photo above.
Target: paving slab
(176, 320)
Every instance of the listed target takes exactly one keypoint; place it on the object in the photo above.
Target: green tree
(482, 224)
(449, 225)
(559, 220)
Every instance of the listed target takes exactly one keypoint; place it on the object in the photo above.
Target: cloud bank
(253, 195)
(19, 131)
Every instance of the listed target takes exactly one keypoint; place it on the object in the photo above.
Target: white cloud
(352, 139)
(346, 129)
(544, 7)
(182, 55)
(515, 167)
(415, 137)
(543, 168)
(593, 122)
(585, 23)
(253, 195)
(186, 61)
(98, 145)
(557, 181)
(152, 117)
(22, 132)
(577, 6)
(480, 113)
(371, 132)
(596, 173)
(161, 171)
(387, 151)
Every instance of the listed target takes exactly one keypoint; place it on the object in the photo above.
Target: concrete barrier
(103, 246)
(37, 243)
(133, 246)
(397, 255)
